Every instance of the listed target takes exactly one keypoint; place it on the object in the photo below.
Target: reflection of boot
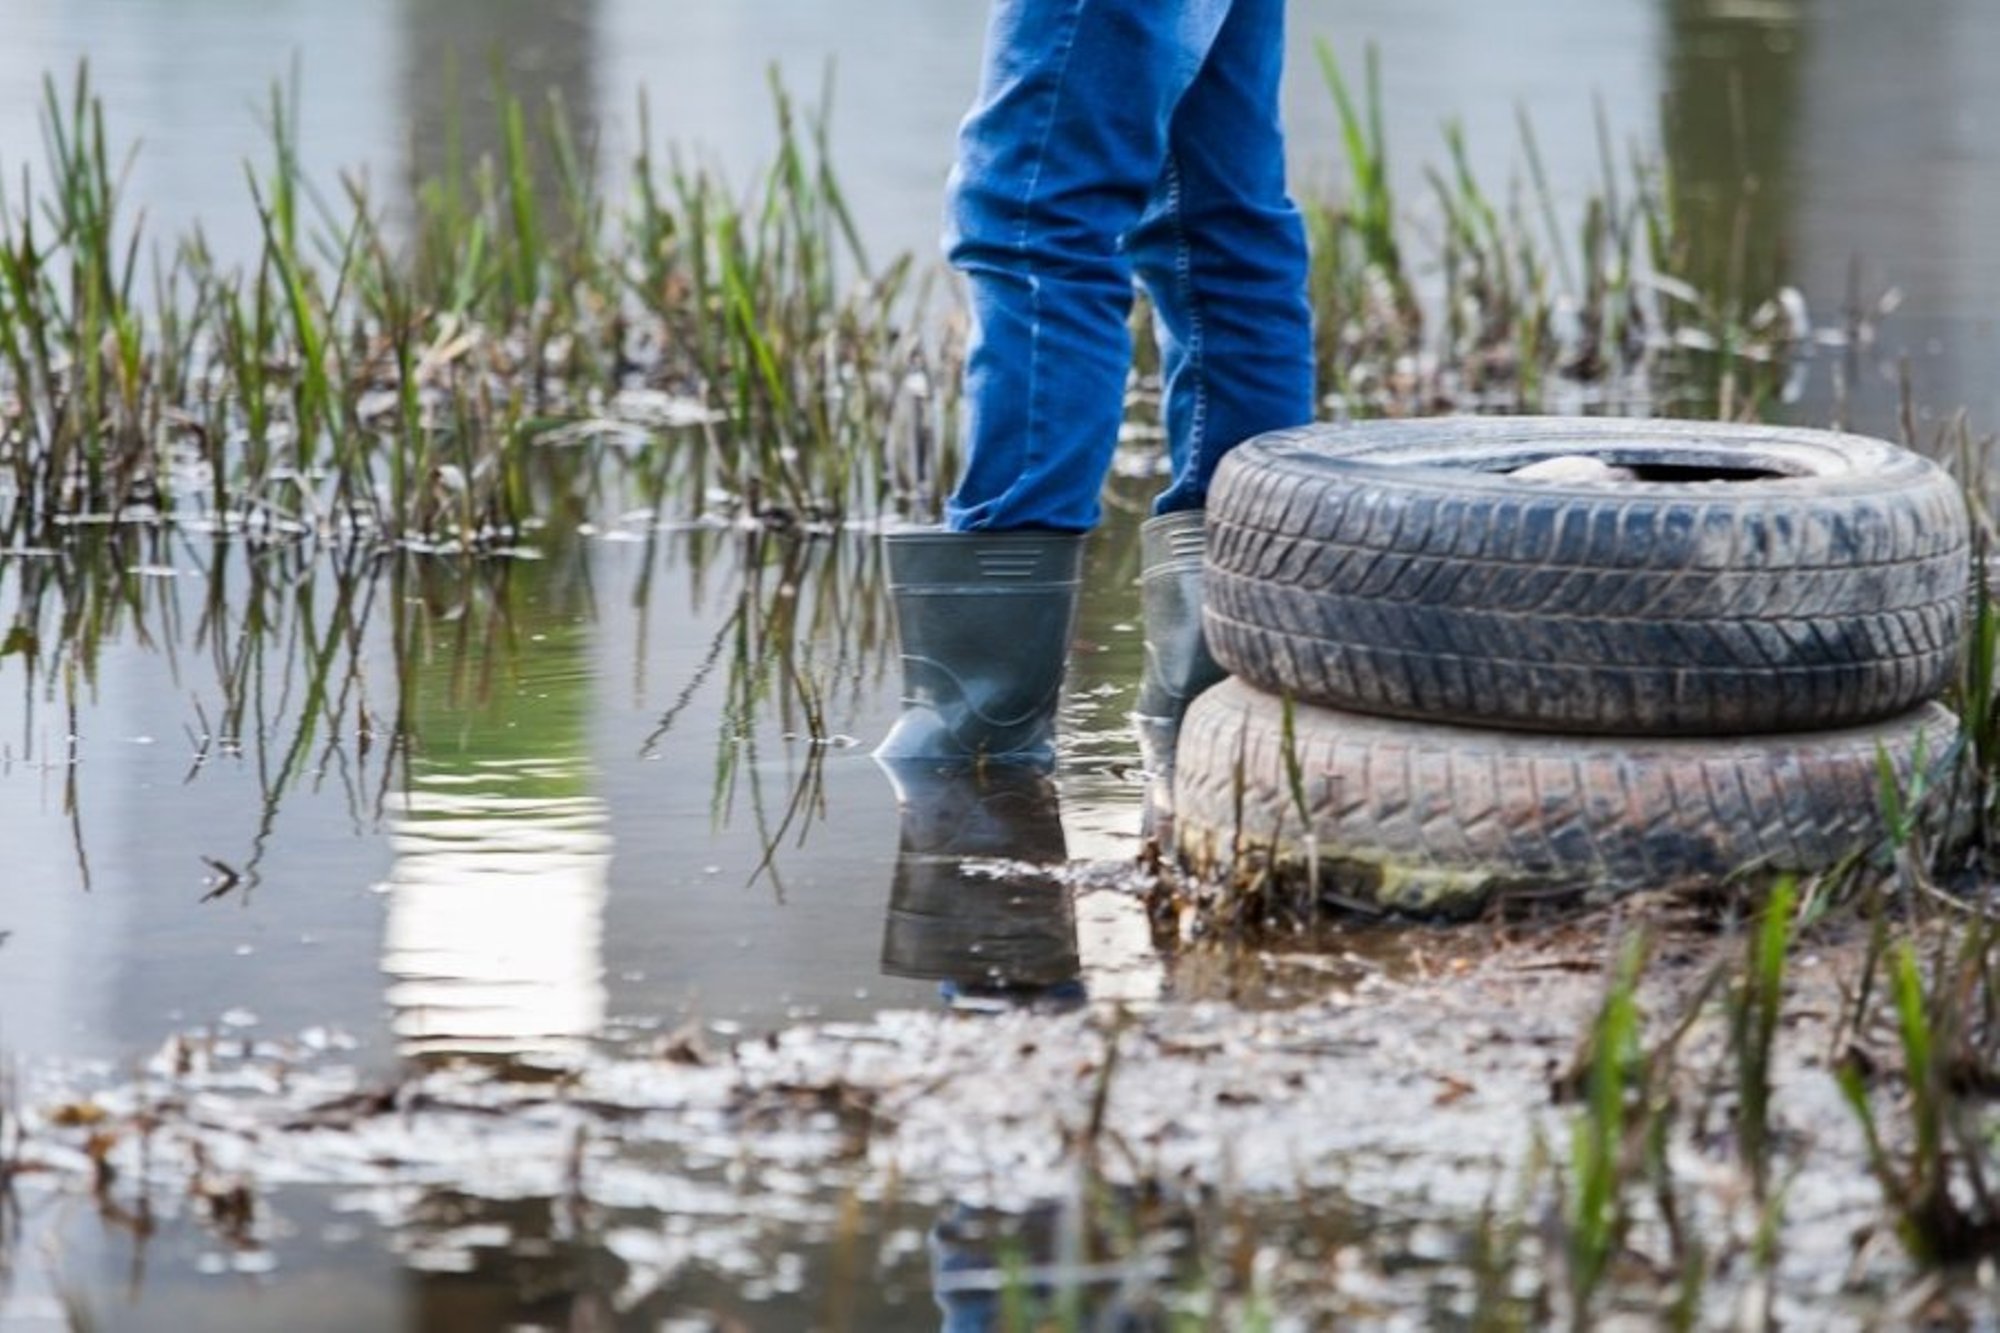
(984, 619)
(1178, 663)
(1005, 930)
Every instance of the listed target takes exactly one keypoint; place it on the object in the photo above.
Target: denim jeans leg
(1222, 251)
(1058, 162)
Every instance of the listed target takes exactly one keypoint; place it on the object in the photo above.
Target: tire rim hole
(1678, 474)
(1611, 467)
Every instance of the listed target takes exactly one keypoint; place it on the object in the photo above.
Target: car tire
(1731, 579)
(1389, 815)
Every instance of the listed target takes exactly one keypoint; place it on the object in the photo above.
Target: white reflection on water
(495, 934)
(1115, 950)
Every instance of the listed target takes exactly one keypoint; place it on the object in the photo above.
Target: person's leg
(1222, 251)
(1058, 162)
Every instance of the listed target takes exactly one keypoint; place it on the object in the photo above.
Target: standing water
(611, 795)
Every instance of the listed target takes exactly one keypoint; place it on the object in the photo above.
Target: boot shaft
(1178, 663)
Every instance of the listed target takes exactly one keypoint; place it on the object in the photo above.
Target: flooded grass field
(447, 886)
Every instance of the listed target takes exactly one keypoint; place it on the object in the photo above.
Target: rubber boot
(1178, 663)
(984, 619)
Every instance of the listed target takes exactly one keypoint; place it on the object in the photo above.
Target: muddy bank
(1425, 1108)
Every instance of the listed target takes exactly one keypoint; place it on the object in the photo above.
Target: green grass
(1595, 1211)
(1931, 1148)
(1756, 1001)
(364, 381)
(356, 384)
(1515, 308)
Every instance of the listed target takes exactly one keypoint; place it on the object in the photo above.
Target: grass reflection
(802, 644)
(265, 647)
(377, 681)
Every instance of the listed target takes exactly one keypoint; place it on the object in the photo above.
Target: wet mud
(1421, 1093)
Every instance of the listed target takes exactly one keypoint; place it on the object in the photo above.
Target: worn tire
(1395, 568)
(1423, 819)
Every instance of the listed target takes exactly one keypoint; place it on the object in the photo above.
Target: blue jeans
(1114, 139)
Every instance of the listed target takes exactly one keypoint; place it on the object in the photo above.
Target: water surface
(611, 820)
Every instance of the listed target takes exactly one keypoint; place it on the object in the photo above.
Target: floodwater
(611, 823)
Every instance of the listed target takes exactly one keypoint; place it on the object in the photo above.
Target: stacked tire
(1682, 660)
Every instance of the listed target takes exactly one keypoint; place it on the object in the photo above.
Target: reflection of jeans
(974, 1308)
(1113, 138)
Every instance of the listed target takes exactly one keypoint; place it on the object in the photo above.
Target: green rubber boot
(1178, 663)
(985, 620)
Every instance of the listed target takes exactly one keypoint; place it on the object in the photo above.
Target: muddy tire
(1739, 579)
(1413, 818)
